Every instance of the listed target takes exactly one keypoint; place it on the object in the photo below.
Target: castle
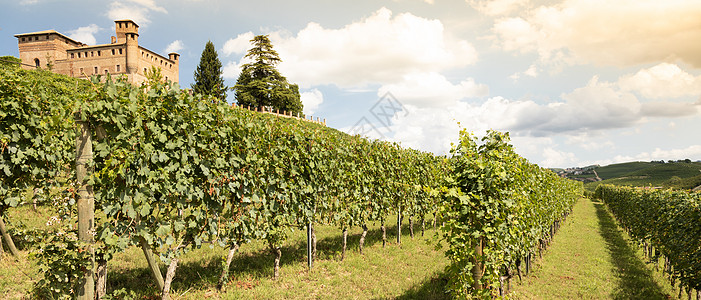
(123, 55)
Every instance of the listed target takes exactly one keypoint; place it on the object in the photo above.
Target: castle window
(78, 54)
(95, 70)
(81, 71)
(166, 78)
(120, 24)
(92, 53)
(23, 39)
(106, 72)
(98, 52)
(72, 55)
(36, 63)
(112, 51)
(144, 70)
(120, 51)
(86, 53)
(118, 68)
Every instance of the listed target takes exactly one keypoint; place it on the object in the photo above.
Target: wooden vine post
(8, 239)
(310, 261)
(86, 204)
(310, 229)
(477, 266)
(399, 225)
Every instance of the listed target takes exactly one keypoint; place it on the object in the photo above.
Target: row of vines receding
(666, 223)
(172, 171)
(499, 211)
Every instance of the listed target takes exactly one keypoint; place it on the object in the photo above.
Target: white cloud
(589, 141)
(553, 158)
(531, 72)
(432, 89)
(581, 116)
(617, 33)
(231, 70)
(135, 10)
(175, 46)
(85, 34)
(311, 101)
(381, 48)
(28, 2)
(676, 154)
(150, 4)
(238, 45)
(669, 109)
(692, 152)
(596, 106)
(428, 129)
(662, 81)
(497, 7)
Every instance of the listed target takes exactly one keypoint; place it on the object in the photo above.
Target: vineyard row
(170, 171)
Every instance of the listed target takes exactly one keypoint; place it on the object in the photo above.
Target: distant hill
(678, 175)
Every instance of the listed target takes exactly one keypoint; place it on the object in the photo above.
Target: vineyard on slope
(172, 171)
(666, 223)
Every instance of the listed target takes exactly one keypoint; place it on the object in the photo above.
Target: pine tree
(208, 76)
(261, 84)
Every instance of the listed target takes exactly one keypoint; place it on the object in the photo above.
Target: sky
(574, 82)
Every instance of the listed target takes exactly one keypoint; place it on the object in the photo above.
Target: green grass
(591, 258)
(412, 270)
(18, 276)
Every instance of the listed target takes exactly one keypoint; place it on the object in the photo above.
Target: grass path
(591, 258)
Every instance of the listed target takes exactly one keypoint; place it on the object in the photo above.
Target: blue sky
(575, 82)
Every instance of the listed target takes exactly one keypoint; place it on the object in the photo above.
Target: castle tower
(128, 32)
(124, 27)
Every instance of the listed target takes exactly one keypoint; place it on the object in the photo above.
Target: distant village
(589, 174)
(583, 174)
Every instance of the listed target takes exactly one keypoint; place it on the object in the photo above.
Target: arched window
(36, 63)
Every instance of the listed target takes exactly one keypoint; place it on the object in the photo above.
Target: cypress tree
(261, 84)
(208, 76)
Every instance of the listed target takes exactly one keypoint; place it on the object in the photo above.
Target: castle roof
(51, 31)
(127, 20)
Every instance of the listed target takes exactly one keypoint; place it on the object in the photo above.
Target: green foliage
(261, 84)
(10, 62)
(36, 132)
(665, 219)
(62, 258)
(178, 170)
(208, 75)
(154, 76)
(497, 201)
(37, 141)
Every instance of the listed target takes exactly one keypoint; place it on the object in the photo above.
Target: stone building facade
(122, 55)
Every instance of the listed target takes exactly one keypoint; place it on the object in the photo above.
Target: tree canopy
(208, 76)
(261, 84)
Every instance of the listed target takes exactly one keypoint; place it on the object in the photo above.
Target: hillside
(678, 175)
